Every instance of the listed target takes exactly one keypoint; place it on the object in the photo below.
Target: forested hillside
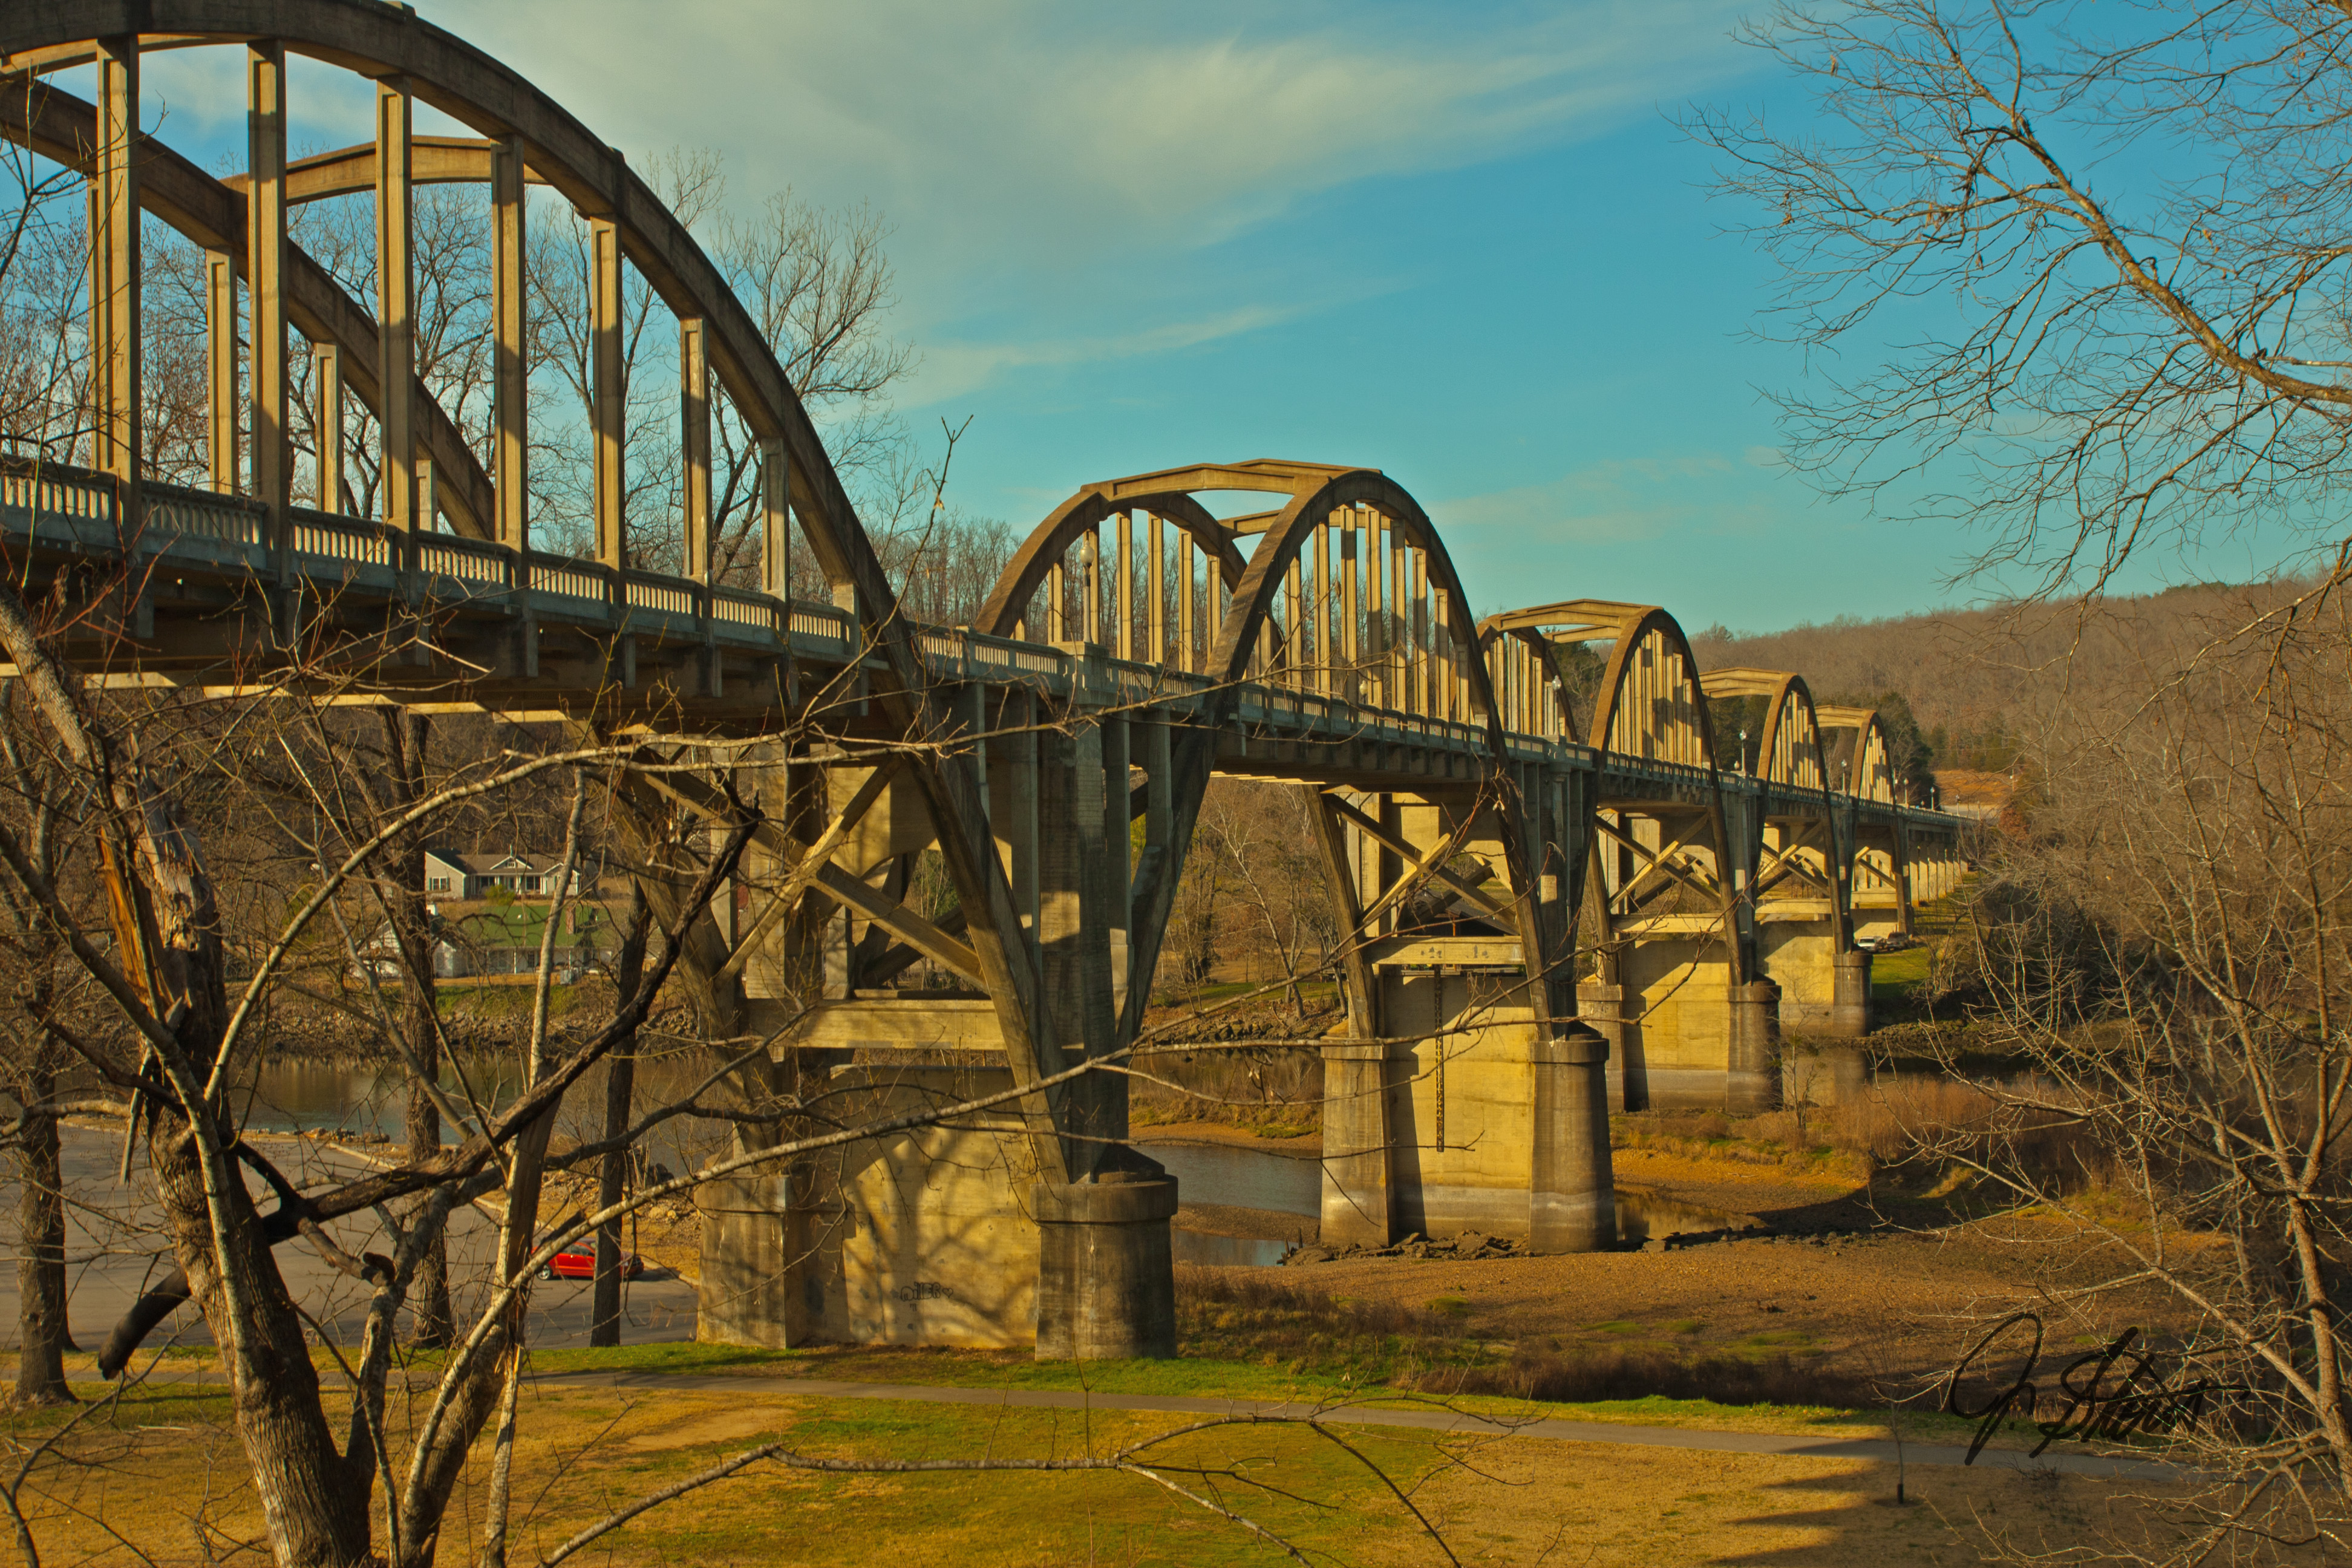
(1973, 688)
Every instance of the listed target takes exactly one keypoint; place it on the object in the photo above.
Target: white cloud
(1620, 501)
(1045, 123)
(952, 369)
(1052, 158)
(1050, 161)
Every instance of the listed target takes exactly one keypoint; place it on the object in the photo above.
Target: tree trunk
(407, 734)
(42, 1334)
(620, 1090)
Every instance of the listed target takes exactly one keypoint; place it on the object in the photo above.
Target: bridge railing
(230, 531)
(41, 487)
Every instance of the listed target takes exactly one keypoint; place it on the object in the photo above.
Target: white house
(453, 876)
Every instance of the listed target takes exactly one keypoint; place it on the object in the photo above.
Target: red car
(578, 1261)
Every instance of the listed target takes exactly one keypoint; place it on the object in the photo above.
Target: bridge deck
(618, 642)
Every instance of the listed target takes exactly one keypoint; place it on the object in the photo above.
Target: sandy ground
(1574, 1504)
(1894, 1300)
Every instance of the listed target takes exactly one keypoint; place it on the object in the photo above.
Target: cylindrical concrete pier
(1356, 1174)
(1850, 1002)
(1572, 1200)
(746, 1295)
(1752, 1076)
(1603, 1007)
(1106, 1279)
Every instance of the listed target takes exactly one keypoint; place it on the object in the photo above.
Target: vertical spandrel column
(1184, 590)
(220, 372)
(776, 518)
(265, 286)
(1293, 628)
(694, 437)
(395, 293)
(1420, 640)
(1125, 641)
(1158, 588)
(1350, 610)
(509, 371)
(327, 391)
(611, 395)
(1323, 659)
(114, 262)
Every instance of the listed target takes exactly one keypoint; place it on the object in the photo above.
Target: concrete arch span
(211, 214)
(411, 61)
(1788, 741)
(1334, 652)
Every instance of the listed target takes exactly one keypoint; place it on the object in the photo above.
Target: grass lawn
(163, 1471)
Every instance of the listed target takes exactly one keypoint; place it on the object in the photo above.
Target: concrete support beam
(326, 422)
(609, 397)
(270, 374)
(114, 267)
(693, 439)
(220, 373)
(509, 370)
(395, 293)
(1074, 937)
(776, 518)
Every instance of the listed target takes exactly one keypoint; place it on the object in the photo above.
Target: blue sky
(1465, 244)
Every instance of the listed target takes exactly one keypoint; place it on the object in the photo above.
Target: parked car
(578, 1261)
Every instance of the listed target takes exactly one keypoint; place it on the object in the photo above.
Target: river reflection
(361, 1099)
(365, 1100)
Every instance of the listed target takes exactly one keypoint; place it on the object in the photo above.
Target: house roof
(496, 865)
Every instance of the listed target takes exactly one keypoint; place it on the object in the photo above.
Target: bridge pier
(1825, 985)
(1357, 1202)
(1458, 1102)
(1104, 1268)
(951, 1233)
(1324, 641)
(921, 1237)
(1474, 1120)
(1695, 1036)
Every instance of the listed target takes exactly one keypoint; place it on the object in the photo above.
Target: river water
(1281, 1180)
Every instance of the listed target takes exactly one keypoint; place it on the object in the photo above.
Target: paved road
(114, 1250)
(1431, 1418)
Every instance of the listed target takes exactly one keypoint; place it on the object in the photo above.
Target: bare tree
(1264, 845)
(2093, 366)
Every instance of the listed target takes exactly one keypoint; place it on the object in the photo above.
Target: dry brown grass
(1258, 1315)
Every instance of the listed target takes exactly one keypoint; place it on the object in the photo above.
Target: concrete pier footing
(1356, 1201)
(1478, 1119)
(750, 1293)
(1850, 1014)
(1105, 1276)
(1751, 1079)
(1572, 1200)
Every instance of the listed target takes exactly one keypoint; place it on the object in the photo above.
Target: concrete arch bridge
(1557, 899)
